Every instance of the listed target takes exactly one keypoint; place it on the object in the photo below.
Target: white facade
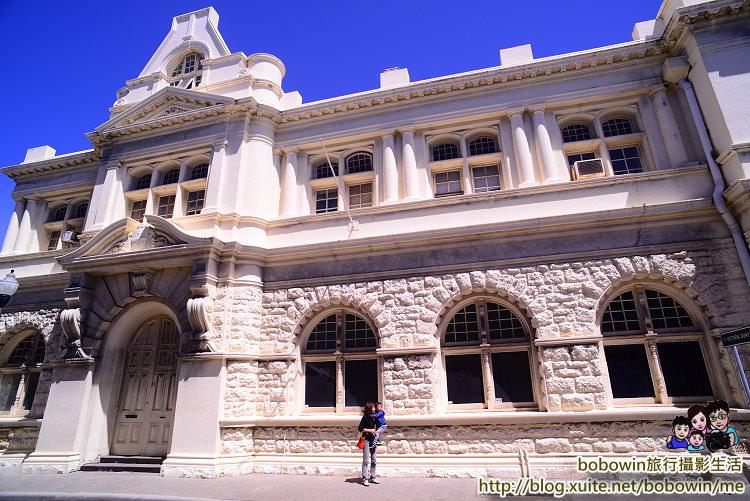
(501, 222)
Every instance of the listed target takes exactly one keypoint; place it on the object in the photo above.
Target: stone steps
(141, 464)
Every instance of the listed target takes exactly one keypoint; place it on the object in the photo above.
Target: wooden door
(147, 395)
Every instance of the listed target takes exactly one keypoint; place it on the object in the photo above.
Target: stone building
(525, 263)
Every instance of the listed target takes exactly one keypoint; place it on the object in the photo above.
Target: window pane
(8, 390)
(357, 334)
(171, 176)
(360, 195)
(482, 146)
(199, 171)
(448, 183)
(32, 381)
(138, 209)
(360, 382)
(572, 159)
(616, 127)
(320, 384)
(463, 327)
(323, 336)
(464, 377)
(323, 170)
(359, 162)
(444, 151)
(621, 315)
(142, 182)
(512, 376)
(666, 313)
(684, 369)
(576, 132)
(326, 201)
(628, 371)
(54, 237)
(626, 160)
(22, 352)
(195, 202)
(502, 324)
(81, 209)
(486, 178)
(166, 206)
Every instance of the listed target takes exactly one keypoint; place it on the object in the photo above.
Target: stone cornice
(55, 163)
(693, 14)
(540, 68)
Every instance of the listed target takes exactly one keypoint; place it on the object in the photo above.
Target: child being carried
(380, 425)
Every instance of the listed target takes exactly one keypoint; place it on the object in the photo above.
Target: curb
(94, 496)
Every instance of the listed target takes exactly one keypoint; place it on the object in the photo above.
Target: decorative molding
(72, 320)
(139, 283)
(198, 310)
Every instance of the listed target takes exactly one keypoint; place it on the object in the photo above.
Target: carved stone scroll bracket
(72, 320)
(139, 283)
(198, 310)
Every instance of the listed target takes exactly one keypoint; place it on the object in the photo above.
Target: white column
(558, 151)
(390, 170)
(214, 177)
(603, 149)
(524, 161)
(24, 228)
(669, 129)
(465, 174)
(12, 232)
(38, 240)
(64, 225)
(409, 164)
(179, 209)
(510, 179)
(549, 165)
(289, 184)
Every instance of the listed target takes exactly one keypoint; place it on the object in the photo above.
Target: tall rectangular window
(195, 202)
(320, 384)
(360, 195)
(464, 377)
(448, 183)
(326, 200)
(54, 239)
(137, 209)
(360, 382)
(626, 160)
(486, 178)
(512, 376)
(628, 371)
(166, 206)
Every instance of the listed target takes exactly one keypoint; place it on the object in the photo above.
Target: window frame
(650, 339)
(340, 355)
(25, 369)
(202, 199)
(485, 348)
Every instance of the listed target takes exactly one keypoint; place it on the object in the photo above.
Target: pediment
(168, 102)
(130, 236)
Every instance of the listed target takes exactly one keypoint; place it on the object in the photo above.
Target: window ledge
(18, 422)
(665, 413)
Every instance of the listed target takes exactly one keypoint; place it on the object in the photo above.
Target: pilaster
(289, 184)
(13, 225)
(409, 164)
(524, 160)
(669, 129)
(390, 170)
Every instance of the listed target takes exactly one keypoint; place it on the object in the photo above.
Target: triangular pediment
(168, 102)
(130, 236)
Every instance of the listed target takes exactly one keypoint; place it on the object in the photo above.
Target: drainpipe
(721, 205)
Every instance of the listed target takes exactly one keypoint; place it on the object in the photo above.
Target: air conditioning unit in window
(585, 169)
(70, 237)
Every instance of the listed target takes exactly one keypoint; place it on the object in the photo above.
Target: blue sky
(64, 61)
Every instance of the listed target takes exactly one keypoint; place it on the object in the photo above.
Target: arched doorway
(145, 408)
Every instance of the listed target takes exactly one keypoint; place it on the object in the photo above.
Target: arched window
(576, 132)
(617, 127)
(187, 73)
(19, 375)
(650, 337)
(340, 349)
(358, 162)
(81, 208)
(170, 176)
(482, 145)
(199, 171)
(142, 182)
(445, 151)
(58, 213)
(322, 170)
(487, 357)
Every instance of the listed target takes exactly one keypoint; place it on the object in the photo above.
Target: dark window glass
(576, 132)
(81, 209)
(617, 127)
(8, 390)
(143, 182)
(448, 183)
(464, 377)
(323, 336)
(621, 315)
(463, 327)
(58, 214)
(54, 238)
(445, 151)
(166, 206)
(572, 159)
(23, 353)
(32, 381)
(512, 376)
(326, 201)
(171, 176)
(502, 324)
(482, 146)
(486, 178)
(199, 171)
(360, 195)
(138, 209)
(684, 369)
(195, 202)
(358, 162)
(320, 384)
(626, 160)
(628, 371)
(666, 313)
(323, 170)
(358, 334)
(360, 382)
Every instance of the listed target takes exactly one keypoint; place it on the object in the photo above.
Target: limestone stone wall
(18, 439)
(409, 384)
(241, 389)
(236, 318)
(574, 377)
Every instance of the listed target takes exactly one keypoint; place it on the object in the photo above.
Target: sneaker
(374, 481)
(365, 482)
(377, 442)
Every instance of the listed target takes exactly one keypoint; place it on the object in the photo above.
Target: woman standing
(369, 460)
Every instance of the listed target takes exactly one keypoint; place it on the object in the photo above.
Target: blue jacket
(379, 418)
